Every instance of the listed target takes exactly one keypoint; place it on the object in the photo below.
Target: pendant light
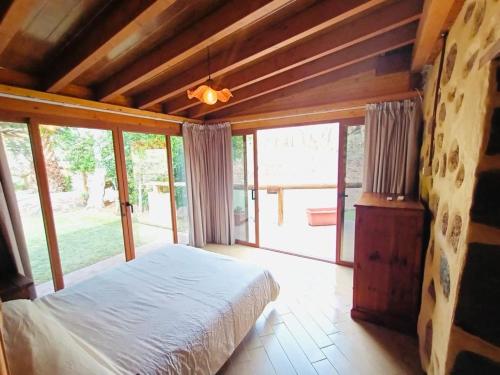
(206, 93)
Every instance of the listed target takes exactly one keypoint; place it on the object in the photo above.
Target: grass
(85, 237)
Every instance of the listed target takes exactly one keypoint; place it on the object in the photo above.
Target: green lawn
(84, 238)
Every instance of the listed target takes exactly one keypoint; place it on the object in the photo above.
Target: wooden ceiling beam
(351, 72)
(359, 52)
(110, 28)
(298, 88)
(27, 81)
(375, 23)
(13, 19)
(331, 112)
(325, 96)
(365, 84)
(434, 16)
(232, 16)
(304, 24)
(20, 79)
(32, 102)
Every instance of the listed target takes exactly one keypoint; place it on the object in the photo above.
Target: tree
(79, 152)
(178, 158)
(57, 180)
(16, 141)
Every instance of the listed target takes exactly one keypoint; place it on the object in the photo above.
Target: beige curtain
(391, 147)
(209, 177)
(11, 228)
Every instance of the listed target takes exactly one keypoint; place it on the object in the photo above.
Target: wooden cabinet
(387, 261)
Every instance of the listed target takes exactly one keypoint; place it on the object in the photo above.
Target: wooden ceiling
(274, 55)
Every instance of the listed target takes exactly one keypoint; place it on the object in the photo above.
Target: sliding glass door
(84, 195)
(149, 195)
(181, 196)
(90, 198)
(298, 189)
(245, 187)
(302, 191)
(15, 141)
(350, 188)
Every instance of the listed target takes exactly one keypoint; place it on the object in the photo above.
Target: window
(16, 142)
(81, 173)
(181, 198)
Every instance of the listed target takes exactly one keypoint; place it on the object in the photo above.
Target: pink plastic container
(321, 216)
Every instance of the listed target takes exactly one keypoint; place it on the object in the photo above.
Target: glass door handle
(128, 204)
(253, 194)
(343, 195)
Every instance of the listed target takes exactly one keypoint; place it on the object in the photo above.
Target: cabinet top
(380, 200)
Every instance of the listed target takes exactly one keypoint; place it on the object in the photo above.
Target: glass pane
(354, 150)
(181, 198)
(17, 146)
(243, 188)
(298, 189)
(148, 189)
(84, 193)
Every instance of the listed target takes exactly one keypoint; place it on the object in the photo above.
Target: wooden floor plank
(369, 362)
(309, 323)
(273, 315)
(277, 355)
(260, 362)
(324, 367)
(312, 351)
(237, 368)
(264, 325)
(332, 314)
(323, 293)
(339, 361)
(296, 356)
(253, 340)
(320, 318)
(281, 307)
(240, 354)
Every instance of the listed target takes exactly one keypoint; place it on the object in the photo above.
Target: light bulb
(210, 96)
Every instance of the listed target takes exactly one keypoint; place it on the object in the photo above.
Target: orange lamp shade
(208, 95)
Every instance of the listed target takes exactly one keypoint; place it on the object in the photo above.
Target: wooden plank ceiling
(274, 55)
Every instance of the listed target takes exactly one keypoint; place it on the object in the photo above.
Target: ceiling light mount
(206, 93)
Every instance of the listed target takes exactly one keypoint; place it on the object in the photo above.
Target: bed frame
(4, 369)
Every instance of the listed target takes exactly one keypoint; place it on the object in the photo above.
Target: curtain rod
(80, 106)
(298, 115)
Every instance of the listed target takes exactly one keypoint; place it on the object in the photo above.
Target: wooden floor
(308, 330)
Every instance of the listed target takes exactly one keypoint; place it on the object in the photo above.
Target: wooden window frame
(117, 130)
(46, 204)
(33, 126)
(343, 125)
(171, 188)
(123, 194)
(244, 134)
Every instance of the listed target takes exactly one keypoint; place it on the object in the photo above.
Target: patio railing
(279, 190)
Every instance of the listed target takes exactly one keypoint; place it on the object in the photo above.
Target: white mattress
(179, 310)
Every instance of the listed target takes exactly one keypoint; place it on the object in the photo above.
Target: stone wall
(459, 321)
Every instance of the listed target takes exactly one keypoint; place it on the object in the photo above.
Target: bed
(178, 310)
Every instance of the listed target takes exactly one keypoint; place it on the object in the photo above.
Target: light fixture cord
(208, 62)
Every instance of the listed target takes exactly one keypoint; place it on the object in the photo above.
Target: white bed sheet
(178, 310)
